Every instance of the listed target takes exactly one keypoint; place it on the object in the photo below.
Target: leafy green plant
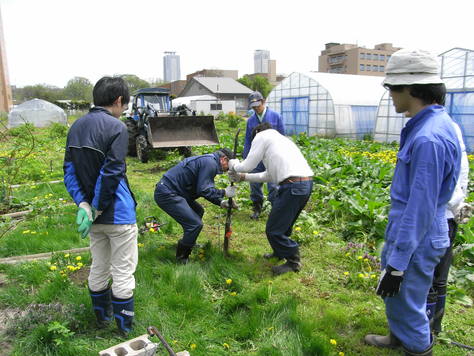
(59, 333)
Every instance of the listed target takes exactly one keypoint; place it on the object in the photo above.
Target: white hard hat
(412, 66)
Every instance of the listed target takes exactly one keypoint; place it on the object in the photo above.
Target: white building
(171, 67)
(260, 60)
(327, 104)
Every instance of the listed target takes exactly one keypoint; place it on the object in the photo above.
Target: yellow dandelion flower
(233, 294)
(270, 328)
(360, 275)
(341, 353)
(226, 345)
(152, 230)
(315, 232)
(47, 233)
(373, 276)
(333, 342)
(69, 267)
(175, 342)
(26, 231)
(78, 258)
(359, 257)
(66, 255)
(366, 260)
(346, 273)
(53, 268)
(33, 232)
(140, 244)
(193, 346)
(366, 275)
(297, 228)
(80, 264)
(348, 254)
(228, 281)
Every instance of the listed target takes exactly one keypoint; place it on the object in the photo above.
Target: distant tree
(257, 83)
(134, 82)
(40, 91)
(78, 88)
(156, 82)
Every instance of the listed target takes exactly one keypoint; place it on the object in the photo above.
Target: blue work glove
(85, 218)
(389, 282)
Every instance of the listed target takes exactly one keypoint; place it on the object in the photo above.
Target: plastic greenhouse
(327, 104)
(38, 112)
(457, 71)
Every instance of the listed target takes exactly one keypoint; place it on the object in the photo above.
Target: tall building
(5, 89)
(351, 59)
(171, 67)
(260, 60)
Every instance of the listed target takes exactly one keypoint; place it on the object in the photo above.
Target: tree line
(79, 89)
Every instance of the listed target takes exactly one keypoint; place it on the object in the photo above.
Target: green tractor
(154, 124)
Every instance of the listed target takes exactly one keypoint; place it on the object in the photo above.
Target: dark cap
(254, 99)
(226, 152)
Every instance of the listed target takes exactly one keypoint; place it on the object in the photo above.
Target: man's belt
(294, 179)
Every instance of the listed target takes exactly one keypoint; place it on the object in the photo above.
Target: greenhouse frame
(457, 71)
(327, 104)
(40, 113)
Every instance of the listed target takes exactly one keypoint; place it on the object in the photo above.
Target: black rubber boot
(257, 210)
(269, 256)
(102, 306)
(123, 313)
(438, 315)
(389, 341)
(183, 252)
(292, 264)
(427, 352)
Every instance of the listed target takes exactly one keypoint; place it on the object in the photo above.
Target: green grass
(193, 306)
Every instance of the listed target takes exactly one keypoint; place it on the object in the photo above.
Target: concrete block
(183, 353)
(140, 346)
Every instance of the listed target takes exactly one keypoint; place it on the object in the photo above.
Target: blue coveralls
(276, 121)
(417, 232)
(178, 189)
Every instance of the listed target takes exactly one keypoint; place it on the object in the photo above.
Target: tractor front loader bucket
(177, 131)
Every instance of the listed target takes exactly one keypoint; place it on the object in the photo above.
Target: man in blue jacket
(261, 114)
(178, 189)
(425, 176)
(95, 177)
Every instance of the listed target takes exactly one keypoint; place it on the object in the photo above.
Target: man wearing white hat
(425, 176)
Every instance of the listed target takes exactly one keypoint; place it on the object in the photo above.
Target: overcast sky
(52, 41)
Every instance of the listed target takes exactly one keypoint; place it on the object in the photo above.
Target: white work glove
(463, 213)
(230, 191)
(225, 204)
(235, 176)
(232, 163)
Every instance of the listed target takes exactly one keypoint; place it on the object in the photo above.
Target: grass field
(216, 305)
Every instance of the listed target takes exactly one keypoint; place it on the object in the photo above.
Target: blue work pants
(188, 213)
(406, 312)
(290, 199)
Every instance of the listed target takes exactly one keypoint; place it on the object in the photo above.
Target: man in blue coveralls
(95, 177)
(178, 189)
(425, 176)
(261, 114)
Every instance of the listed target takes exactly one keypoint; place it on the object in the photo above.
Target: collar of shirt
(415, 120)
(260, 117)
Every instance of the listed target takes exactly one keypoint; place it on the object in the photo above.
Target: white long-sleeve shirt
(281, 157)
(460, 191)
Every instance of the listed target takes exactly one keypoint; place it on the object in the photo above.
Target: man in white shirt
(286, 166)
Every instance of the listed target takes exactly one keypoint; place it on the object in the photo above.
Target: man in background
(260, 115)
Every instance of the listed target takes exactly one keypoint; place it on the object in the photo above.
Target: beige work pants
(114, 253)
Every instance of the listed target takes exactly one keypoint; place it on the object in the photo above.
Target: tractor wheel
(132, 137)
(185, 151)
(142, 148)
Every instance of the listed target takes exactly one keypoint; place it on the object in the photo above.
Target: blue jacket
(94, 166)
(427, 169)
(194, 177)
(271, 117)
